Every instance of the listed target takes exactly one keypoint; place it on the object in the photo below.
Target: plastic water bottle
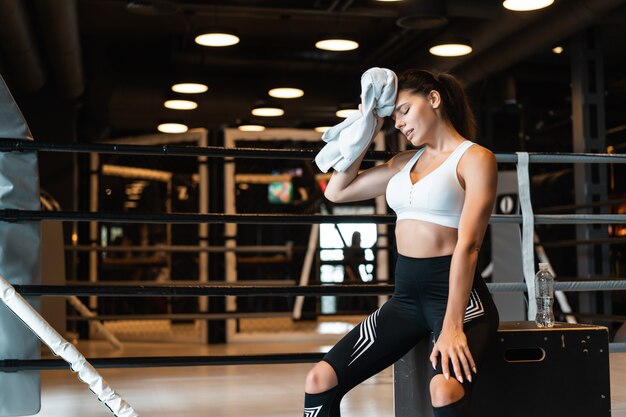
(544, 295)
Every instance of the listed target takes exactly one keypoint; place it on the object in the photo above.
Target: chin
(416, 142)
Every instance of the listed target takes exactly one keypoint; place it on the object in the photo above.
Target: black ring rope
(200, 290)
(12, 215)
(212, 290)
(184, 316)
(15, 145)
(21, 145)
(15, 365)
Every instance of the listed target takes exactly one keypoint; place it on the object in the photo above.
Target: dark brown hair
(455, 105)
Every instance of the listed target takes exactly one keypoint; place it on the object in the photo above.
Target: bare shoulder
(478, 165)
(479, 151)
(478, 157)
(398, 161)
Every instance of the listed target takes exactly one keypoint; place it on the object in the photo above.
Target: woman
(443, 195)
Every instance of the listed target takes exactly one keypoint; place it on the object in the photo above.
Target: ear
(434, 98)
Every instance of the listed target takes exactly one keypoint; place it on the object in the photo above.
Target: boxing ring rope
(178, 361)
(14, 145)
(272, 291)
(164, 361)
(182, 316)
(87, 372)
(186, 248)
(13, 215)
(18, 145)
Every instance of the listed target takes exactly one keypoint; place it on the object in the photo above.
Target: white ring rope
(617, 347)
(528, 231)
(61, 347)
(562, 218)
(606, 285)
(567, 158)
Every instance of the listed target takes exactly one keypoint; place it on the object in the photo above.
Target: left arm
(480, 189)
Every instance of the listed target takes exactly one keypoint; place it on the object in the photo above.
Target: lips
(408, 133)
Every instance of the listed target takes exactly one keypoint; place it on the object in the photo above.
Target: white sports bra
(436, 198)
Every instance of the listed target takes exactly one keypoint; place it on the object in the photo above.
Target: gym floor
(229, 391)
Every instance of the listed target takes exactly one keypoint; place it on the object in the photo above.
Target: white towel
(347, 140)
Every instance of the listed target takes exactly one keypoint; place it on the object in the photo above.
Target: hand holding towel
(347, 140)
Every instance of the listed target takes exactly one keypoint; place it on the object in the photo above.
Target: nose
(398, 123)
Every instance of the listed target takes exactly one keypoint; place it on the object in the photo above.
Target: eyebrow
(398, 107)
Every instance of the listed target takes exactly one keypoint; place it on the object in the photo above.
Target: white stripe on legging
(475, 307)
(367, 336)
(312, 411)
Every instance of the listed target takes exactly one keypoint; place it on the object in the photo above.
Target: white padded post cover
(19, 260)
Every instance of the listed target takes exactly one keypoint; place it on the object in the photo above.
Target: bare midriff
(419, 239)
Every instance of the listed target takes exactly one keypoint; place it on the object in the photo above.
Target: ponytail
(455, 105)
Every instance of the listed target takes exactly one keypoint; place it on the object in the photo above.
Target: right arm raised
(352, 185)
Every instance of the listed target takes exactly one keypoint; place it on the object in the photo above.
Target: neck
(445, 138)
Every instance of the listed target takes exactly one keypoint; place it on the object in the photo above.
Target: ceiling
(111, 65)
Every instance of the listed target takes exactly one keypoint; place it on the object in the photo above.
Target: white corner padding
(20, 392)
(64, 349)
(528, 231)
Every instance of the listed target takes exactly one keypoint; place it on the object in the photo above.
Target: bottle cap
(544, 266)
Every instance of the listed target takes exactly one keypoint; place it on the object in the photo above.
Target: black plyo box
(546, 372)
(561, 371)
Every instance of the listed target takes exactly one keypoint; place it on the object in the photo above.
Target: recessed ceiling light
(451, 49)
(217, 39)
(172, 128)
(557, 49)
(267, 111)
(345, 112)
(322, 129)
(526, 5)
(189, 88)
(337, 45)
(181, 104)
(286, 92)
(251, 128)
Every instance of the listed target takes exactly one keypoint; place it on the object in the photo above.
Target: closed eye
(404, 111)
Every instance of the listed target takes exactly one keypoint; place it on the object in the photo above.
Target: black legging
(415, 310)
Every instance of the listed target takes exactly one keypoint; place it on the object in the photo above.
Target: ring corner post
(19, 260)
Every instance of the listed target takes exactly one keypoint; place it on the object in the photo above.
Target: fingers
(470, 359)
(445, 365)
(456, 366)
(465, 364)
(461, 361)
(433, 358)
(456, 355)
